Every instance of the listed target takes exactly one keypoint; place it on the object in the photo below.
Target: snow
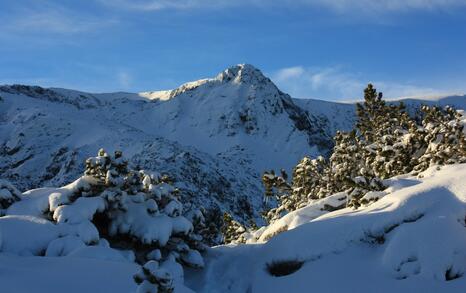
(158, 228)
(411, 240)
(36, 234)
(64, 274)
(102, 253)
(194, 258)
(296, 218)
(34, 202)
(82, 209)
(64, 246)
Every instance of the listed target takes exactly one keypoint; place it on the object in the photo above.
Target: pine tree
(275, 186)
(350, 168)
(309, 182)
(391, 151)
(232, 230)
(444, 137)
(347, 161)
(307, 178)
(370, 113)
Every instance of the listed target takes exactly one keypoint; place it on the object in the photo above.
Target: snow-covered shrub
(277, 189)
(153, 279)
(350, 172)
(208, 224)
(311, 180)
(232, 230)
(8, 195)
(444, 138)
(133, 210)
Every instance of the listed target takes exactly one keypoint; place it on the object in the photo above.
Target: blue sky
(328, 49)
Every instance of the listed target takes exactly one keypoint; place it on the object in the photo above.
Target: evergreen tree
(390, 151)
(350, 168)
(347, 160)
(232, 230)
(444, 137)
(275, 186)
(370, 113)
(309, 182)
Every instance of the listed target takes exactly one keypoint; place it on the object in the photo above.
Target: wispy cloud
(336, 84)
(124, 79)
(50, 18)
(152, 5)
(386, 5)
(340, 6)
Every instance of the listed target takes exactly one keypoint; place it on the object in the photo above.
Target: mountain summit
(243, 73)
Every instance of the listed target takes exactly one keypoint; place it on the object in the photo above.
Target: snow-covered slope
(215, 136)
(411, 240)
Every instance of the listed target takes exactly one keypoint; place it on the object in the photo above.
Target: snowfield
(411, 240)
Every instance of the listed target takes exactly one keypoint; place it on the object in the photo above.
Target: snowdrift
(412, 240)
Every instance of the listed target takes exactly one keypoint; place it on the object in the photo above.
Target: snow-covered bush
(350, 172)
(153, 279)
(232, 230)
(444, 138)
(8, 195)
(277, 189)
(133, 210)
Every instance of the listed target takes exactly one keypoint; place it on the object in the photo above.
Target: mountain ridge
(235, 125)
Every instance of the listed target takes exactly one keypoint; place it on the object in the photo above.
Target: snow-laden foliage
(139, 211)
(232, 230)
(8, 195)
(444, 138)
(112, 212)
(153, 279)
(396, 143)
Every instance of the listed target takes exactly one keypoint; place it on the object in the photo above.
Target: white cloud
(124, 79)
(336, 84)
(151, 5)
(51, 18)
(386, 5)
(340, 6)
(290, 72)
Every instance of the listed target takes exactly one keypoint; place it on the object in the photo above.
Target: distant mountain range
(213, 136)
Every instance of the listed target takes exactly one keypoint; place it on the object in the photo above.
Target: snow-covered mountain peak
(243, 73)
